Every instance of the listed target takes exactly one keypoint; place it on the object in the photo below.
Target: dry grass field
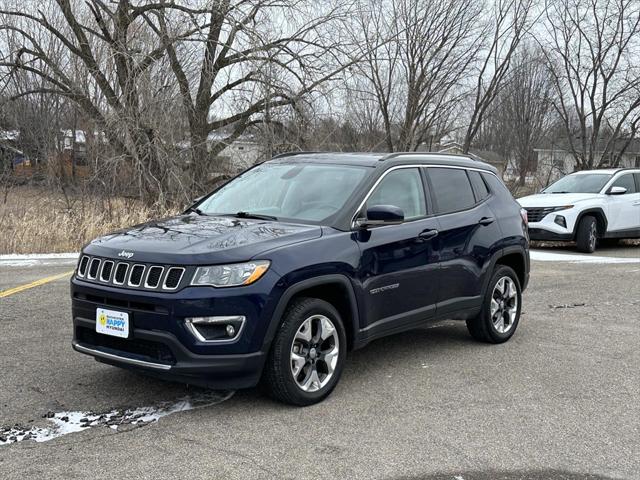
(37, 220)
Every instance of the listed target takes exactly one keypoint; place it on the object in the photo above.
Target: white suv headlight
(232, 275)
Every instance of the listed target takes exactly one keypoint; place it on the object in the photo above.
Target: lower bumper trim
(541, 234)
(119, 358)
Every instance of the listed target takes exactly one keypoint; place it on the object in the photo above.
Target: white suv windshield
(579, 183)
(298, 192)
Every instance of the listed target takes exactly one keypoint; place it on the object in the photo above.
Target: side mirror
(381, 215)
(616, 191)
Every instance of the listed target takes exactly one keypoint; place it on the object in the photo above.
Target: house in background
(555, 160)
(12, 159)
(492, 158)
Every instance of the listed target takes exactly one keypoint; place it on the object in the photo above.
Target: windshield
(579, 183)
(298, 192)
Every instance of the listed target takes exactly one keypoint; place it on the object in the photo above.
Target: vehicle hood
(197, 239)
(555, 199)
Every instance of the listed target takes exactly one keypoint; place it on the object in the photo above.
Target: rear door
(398, 268)
(468, 235)
(623, 211)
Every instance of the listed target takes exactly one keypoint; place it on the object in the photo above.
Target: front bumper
(159, 344)
(548, 235)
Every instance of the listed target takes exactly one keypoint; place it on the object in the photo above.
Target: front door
(399, 267)
(624, 210)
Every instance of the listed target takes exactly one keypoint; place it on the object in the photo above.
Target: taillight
(525, 218)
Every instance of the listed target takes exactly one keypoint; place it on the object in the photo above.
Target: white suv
(586, 207)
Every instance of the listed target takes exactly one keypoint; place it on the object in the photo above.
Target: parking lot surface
(561, 400)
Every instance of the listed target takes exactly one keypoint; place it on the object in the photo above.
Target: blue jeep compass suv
(274, 276)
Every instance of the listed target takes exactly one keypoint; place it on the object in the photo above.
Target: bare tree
(507, 24)
(527, 102)
(593, 48)
(196, 65)
(415, 55)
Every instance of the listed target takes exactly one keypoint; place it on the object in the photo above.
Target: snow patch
(543, 256)
(71, 422)
(31, 259)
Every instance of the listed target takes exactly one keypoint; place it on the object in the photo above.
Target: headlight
(230, 275)
(564, 207)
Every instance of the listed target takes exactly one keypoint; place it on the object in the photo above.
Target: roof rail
(441, 154)
(291, 154)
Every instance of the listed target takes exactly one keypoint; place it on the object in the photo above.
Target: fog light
(560, 220)
(215, 329)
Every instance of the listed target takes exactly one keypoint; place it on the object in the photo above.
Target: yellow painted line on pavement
(37, 283)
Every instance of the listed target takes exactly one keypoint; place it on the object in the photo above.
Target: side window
(479, 187)
(451, 189)
(401, 188)
(637, 175)
(627, 182)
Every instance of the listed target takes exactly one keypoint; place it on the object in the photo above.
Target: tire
(486, 327)
(587, 234)
(305, 317)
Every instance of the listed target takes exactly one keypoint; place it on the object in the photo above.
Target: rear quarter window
(479, 187)
(451, 189)
(496, 186)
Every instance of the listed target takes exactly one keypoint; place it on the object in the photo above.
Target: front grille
(136, 275)
(154, 351)
(130, 274)
(102, 301)
(93, 268)
(82, 268)
(107, 268)
(536, 214)
(172, 280)
(153, 276)
(121, 273)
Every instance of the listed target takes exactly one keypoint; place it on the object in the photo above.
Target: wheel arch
(515, 257)
(601, 220)
(335, 289)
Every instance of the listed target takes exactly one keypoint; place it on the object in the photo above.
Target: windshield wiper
(195, 210)
(561, 191)
(255, 215)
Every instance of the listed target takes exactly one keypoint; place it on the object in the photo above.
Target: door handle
(486, 220)
(428, 234)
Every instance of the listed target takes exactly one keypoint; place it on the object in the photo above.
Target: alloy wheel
(314, 353)
(593, 236)
(504, 304)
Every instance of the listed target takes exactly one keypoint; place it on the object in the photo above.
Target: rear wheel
(500, 314)
(587, 234)
(307, 355)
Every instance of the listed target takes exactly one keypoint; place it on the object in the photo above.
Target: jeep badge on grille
(125, 254)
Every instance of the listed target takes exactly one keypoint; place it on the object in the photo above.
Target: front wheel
(500, 314)
(307, 355)
(587, 234)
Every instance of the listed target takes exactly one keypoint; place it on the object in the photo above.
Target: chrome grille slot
(153, 277)
(172, 280)
(93, 269)
(537, 214)
(105, 273)
(135, 277)
(129, 274)
(82, 267)
(121, 273)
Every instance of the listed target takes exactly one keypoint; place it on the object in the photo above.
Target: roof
(377, 159)
(607, 171)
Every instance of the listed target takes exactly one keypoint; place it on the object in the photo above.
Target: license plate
(112, 322)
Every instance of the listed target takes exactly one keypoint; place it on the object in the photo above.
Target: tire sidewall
(501, 271)
(292, 322)
(584, 229)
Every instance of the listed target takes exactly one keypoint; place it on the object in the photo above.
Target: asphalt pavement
(560, 400)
